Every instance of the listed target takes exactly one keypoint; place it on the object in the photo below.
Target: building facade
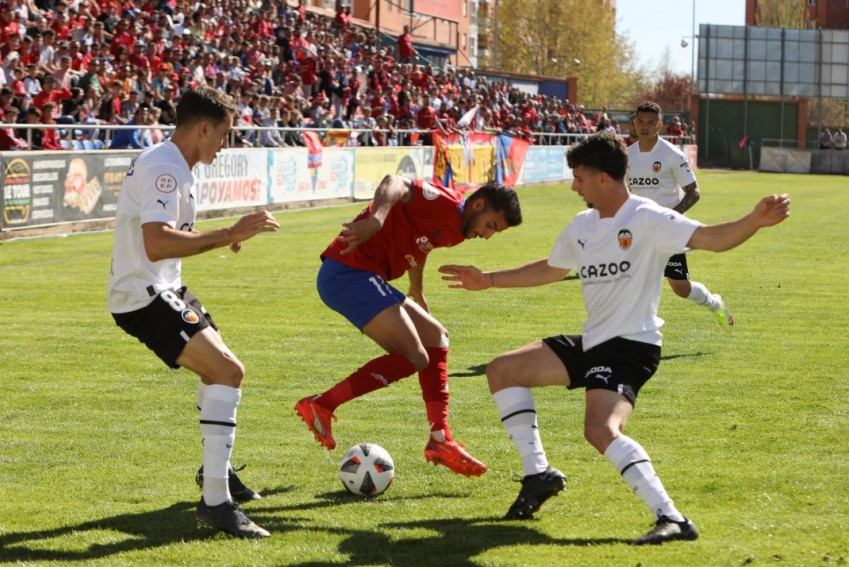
(824, 14)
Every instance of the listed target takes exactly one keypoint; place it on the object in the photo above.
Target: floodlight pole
(693, 51)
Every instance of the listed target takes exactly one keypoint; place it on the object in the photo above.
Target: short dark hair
(649, 106)
(204, 103)
(604, 151)
(500, 199)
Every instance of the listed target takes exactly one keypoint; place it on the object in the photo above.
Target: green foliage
(783, 14)
(559, 38)
(99, 441)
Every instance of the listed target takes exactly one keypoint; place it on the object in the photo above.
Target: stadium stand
(99, 61)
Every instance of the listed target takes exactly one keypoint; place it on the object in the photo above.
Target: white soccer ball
(367, 469)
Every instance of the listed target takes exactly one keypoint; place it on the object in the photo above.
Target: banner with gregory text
(236, 178)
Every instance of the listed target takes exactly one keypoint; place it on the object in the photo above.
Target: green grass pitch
(748, 428)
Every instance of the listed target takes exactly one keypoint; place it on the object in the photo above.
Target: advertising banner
(544, 164)
(237, 178)
(50, 188)
(371, 165)
(292, 180)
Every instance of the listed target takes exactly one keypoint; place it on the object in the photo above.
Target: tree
(568, 38)
(670, 90)
(782, 14)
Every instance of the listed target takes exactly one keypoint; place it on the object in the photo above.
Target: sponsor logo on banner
(17, 193)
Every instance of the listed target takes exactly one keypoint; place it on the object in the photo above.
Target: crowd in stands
(126, 62)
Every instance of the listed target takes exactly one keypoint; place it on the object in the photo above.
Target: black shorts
(167, 324)
(676, 268)
(619, 365)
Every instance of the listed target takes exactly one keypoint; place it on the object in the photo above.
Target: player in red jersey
(393, 235)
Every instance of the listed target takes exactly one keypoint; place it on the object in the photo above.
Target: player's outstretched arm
(530, 275)
(392, 190)
(416, 275)
(162, 242)
(770, 211)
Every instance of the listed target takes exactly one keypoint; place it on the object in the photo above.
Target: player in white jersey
(660, 171)
(154, 229)
(617, 247)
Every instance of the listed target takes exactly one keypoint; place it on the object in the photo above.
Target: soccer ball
(366, 469)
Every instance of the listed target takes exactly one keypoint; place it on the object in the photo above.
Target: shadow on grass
(143, 531)
(93, 539)
(688, 355)
(114, 535)
(452, 542)
(478, 370)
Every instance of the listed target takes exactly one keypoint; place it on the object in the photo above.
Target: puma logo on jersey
(583, 243)
(163, 203)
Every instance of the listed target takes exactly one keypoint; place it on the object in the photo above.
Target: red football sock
(434, 383)
(376, 374)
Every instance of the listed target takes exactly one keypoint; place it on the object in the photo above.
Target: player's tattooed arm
(691, 197)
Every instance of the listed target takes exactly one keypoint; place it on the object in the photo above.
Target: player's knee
(230, 372)
(599, 435)
(496, 375)
(681, 288)
(419, 358)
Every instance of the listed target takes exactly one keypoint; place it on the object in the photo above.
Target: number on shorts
(173, 300)
(377, 283)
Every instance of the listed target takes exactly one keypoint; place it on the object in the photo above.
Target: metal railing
(103, 133)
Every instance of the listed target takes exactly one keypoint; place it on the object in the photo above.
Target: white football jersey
(659, 174)
(158, 188)
(620, 263)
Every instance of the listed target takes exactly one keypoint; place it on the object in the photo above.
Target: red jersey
(432, 218)
(405, 46)
(426, 117)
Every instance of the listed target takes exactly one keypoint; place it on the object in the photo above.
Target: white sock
(519, 417)
(700, 294)
(218, 428)
(633, 463)
(439, 435)
(201, 392)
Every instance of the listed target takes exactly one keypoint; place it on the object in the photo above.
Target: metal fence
(87, 136)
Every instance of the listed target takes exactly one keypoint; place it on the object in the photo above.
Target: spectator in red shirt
(262, 27)
(675, 130)
(49, 94)
(61, 27)
(9, 139)
(405, 46)
(8, 23)
(50, 138)
(302, 12)
(342, 20)
(426, 119)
